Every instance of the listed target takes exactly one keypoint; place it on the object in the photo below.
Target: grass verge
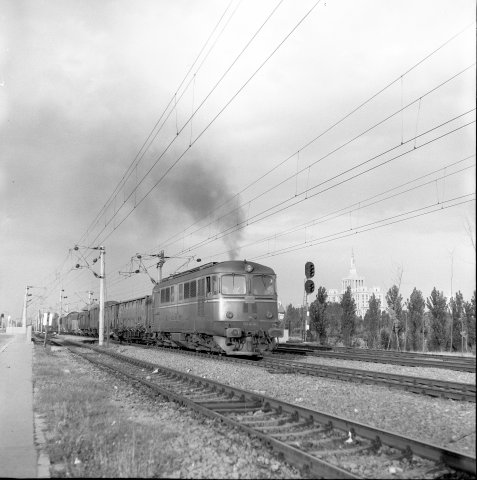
(88, 434)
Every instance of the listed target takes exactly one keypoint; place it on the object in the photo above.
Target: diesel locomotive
(226, 307)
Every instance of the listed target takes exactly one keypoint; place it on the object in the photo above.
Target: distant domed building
(359, 291)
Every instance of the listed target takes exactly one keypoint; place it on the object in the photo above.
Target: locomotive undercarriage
(252, 344)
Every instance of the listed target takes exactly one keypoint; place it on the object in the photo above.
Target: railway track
(419, 385)
(423, 386)
(320, 444)
(465, 364)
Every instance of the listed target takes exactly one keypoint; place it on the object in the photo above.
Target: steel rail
(466, 364)
(231, 405)
(400, 353)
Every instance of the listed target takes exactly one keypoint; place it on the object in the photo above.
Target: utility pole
(160, 264)
(303, 315)
(61, 309)
(24, 316)
(102, 275)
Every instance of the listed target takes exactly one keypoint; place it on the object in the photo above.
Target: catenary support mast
(102, 276)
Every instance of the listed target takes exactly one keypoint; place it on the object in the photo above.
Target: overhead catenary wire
(334, 125)
(415, 213)
(366, 202)
(346, 143)
(281, 205)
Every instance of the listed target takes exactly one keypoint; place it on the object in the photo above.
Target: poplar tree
(292, 318)
(371, 322)
(394, 301)
(456, 306)
(436, 304)
(469, 311)
(348, 317)
(415, 306)
(318, 316)
(333, 315)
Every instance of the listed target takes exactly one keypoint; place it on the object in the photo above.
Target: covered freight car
(134, 320)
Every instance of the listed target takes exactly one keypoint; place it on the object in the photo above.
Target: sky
(279, 132)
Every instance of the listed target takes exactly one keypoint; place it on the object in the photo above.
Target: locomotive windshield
(233, 284)
(262, 285)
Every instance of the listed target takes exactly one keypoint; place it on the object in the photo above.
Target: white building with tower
(359, 291)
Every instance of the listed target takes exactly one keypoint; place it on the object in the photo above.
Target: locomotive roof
(230, 266)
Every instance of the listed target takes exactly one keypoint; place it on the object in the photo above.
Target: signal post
(309, 288)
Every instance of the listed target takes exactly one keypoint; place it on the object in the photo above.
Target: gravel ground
(444, 422)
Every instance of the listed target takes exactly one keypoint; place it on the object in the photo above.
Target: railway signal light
(309, 270)
(309, 286)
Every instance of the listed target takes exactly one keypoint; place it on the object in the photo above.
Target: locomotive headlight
(229, 315)
(248, 268)
(269, 315)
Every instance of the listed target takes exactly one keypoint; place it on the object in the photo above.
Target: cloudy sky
(276, 131)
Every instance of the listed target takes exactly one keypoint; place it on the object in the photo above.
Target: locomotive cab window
(165, 295)
(212, 285)
(233, 284)
(193, 289)
(263, 285)
(215, 285)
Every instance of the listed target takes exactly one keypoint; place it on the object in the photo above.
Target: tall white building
(360, 292)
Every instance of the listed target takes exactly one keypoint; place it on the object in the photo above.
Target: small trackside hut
(228, 307)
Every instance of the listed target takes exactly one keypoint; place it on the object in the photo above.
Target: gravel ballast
(423, 372)
(443, 422)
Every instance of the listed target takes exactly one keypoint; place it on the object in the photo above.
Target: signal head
(309, 270)
(309, 286)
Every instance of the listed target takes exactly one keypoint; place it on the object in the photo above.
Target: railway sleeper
(261, 414)
(276, 422)
(348, 451)
(219, 405)
(279, 428)
(237, 410)
(299, 433)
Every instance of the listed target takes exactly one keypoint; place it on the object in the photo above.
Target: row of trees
(444, 326)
